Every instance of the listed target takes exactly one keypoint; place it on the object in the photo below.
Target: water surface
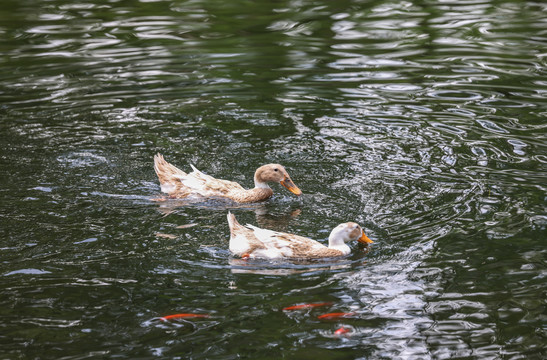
(424, 121)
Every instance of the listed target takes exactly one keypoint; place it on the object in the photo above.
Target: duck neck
(253, 195)
(260, 184)
(337, 243)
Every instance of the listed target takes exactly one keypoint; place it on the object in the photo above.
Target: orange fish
(304, 306)
(179, 316)
(342, 331)
(335, 315)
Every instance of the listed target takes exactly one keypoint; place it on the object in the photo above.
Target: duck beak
(287, 182)
(364, 239)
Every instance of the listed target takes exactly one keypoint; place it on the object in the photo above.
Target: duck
(196, 185)
(253, 242)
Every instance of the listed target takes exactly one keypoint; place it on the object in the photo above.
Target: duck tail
(165, 171)
(233, 223)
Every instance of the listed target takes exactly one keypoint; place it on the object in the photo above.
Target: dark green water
(424, 121)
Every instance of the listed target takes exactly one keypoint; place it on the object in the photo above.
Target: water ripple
(424, 122)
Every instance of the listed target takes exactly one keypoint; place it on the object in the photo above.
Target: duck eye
(275, 169)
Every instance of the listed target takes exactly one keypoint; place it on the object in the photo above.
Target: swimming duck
(180, 185)
(253, 242)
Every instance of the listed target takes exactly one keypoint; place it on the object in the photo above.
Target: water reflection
(240, 266)
(305, 266)
(264, 217)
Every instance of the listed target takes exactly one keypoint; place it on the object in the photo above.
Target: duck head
(275, 173)
(348, 232)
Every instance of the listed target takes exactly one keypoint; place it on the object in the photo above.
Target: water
(423, 121)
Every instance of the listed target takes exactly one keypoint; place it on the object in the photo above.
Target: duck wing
(207, 185)
(279, 244)
(174, 181)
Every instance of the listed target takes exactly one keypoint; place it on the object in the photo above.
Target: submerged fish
(343, 330)
(335, 315)
(304, 306)
(186, 316)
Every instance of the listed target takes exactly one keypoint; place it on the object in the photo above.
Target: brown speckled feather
(166, 172)
(303, 247)
(224, 187)
(290, 245)
(305, 250)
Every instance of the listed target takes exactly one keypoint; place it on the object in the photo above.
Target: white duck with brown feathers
(180, 185)
(253, 242)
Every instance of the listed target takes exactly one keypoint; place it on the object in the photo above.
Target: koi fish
(179, 316)
(304, 306)
(342, 331)
(335, 315)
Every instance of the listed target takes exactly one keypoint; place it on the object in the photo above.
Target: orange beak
(287, 182)
(364, 239)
